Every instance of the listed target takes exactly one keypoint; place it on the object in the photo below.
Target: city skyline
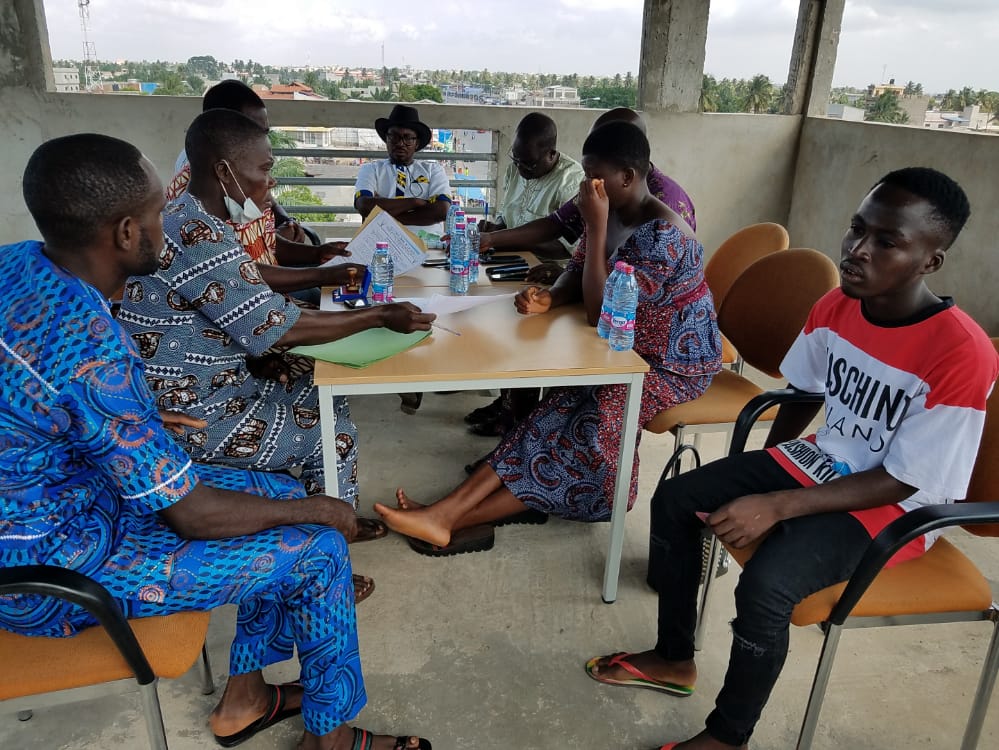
(914, 40)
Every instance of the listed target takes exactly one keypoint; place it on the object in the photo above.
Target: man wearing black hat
(417, 193)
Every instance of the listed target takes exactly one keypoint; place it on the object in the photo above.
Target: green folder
(364, 348)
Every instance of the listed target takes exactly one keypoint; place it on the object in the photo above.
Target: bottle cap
(620, 266)
(459, 225)
(381, 246)
(471, 220)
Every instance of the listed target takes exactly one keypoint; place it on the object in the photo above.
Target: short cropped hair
(540, 128)
(949, 201)
(219, 134)
(76, 184)
(231, 94)
(620, 143)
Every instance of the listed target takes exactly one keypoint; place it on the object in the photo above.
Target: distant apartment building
(971, 119)
(555, 96)
(844, 112)
(66, 79)
(295, 91)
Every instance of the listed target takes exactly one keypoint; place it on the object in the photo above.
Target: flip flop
(640, 679)
(473, 539)
(529, 517)
(365, 592)
(363, 740)
(668, 746)
(369, 529)
(275, 712)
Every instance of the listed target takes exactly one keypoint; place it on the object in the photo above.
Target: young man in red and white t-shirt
(906, 375)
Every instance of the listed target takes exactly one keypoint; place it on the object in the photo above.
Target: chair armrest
(76, 588)
(752, 411)
(311, 234)
(899, 533)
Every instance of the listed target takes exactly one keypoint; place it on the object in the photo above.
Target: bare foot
(650, 664)
(418, 522)
(405, 502)
(239, 708)
(342, 738)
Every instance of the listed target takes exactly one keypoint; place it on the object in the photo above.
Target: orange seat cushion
(942, 580)
(721, 403)
(33, 665)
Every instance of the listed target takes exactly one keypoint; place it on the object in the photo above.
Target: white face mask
(244, 214)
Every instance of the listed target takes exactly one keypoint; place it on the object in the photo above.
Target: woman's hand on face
(533, 300)
(593, 203)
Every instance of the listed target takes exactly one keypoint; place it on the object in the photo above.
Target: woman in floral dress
(562, 459)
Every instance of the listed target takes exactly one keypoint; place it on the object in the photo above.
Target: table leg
(327, 417)
(622, 486)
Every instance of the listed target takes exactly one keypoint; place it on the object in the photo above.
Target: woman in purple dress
(563, 458)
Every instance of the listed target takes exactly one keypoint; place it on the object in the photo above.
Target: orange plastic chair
(763, 312)
(734, 256)
(107, 658)
(941, 586)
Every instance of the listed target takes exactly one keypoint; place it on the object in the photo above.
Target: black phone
(436, 263)
(353, 304)
(495, 260)
(508, 273)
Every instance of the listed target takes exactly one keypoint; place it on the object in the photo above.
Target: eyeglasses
(396, 138)
(526, 166)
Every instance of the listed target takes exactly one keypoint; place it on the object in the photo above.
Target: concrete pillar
(671, 67)
(813, 57)
(25, 59)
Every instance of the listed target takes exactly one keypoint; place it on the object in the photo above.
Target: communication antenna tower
(90, 74)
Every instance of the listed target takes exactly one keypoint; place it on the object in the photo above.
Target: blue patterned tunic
(199, 321)
(85, 465)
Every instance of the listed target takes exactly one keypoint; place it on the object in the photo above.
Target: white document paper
(406, 249)
(441, 304)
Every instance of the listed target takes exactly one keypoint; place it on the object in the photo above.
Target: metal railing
(346, 153)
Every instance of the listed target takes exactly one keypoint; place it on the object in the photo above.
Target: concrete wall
(738, 169)
(839, 161)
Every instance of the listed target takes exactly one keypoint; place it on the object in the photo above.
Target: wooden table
(499, 348)
(423, 276)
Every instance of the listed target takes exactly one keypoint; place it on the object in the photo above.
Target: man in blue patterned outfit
(90, 480)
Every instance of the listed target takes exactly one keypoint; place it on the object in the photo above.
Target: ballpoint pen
(445, 328)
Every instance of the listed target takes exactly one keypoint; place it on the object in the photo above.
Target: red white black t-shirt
(908, 396)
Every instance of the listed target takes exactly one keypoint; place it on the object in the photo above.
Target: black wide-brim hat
(402, 116)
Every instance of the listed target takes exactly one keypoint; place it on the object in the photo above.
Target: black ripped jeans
(800, 557)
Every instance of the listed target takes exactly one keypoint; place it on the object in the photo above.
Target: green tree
(383, 95)
(758, 96)
(288, 166)
(300, 195)
(197, 84)
(171, 84)
(205, 66)
(311, 80)
(708, 101)
(419, 91)
(886, 109)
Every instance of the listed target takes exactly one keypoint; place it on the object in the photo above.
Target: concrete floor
(486, 651)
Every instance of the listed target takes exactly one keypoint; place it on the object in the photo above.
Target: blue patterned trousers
(292, 585)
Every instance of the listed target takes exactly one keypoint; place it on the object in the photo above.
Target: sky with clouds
(939, 43)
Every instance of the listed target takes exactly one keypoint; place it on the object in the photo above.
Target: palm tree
(759, 92)
(886, 109)
(708, 101)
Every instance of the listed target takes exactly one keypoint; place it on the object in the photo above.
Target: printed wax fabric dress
(563, 458)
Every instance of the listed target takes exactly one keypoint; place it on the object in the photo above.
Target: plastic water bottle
(449, 222)
(622, 335)
(459, 260)
(607, 307)
(472, 234)
(382, 274)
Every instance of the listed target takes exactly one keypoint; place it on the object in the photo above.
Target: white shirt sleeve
(367, 181)
(440, 187)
